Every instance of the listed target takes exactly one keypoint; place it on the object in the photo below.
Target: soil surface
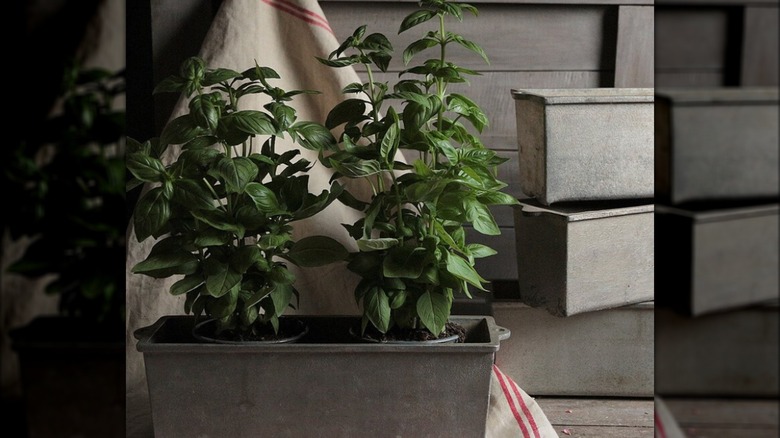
(288, 328)
(397, 334)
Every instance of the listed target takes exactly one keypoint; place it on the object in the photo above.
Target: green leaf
(316, 251)
(416, 47)
(219, 75)
(474, 48)
(355, 87)
(244, 257)
(272, 241)
(497, 198)
(391, 139)
(479, 251)
(152, 213)
(283, 114)
(250, 122)
(434, 311)
(376, 41)
(210, 237)
(404, 262)
(263, 197)
(368, 245)
(258, 296)
(236, 173)
(376, 307)
(349, 110)
(192, 195)
(415, 18)
(204, 112)
(398, 300)
(220, 278)
(145, 168)
(260, 73)
(340, 62)
(225, 305)
(482, 219)
(314, 136)
(186, 284)
(281, 296)
(181, 130)
(168, 263)
(219, 220)
(381, 60)
(357, 169)
(466, 107)
(281, 275)
(461, 269)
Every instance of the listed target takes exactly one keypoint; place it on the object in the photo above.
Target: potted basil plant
(222, 210)
(413, 255)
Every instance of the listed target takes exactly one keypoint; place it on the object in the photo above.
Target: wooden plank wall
(703, 43)
(531, 44)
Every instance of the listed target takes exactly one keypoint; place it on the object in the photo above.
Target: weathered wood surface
(635, 41)
(605, 417)
(728, 418)
(760, 46)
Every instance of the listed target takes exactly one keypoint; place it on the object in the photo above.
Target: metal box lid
(568, 96)
(573, 212)
(720, 96)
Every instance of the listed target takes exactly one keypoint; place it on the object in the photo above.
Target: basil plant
(222, 211)
(413, 255)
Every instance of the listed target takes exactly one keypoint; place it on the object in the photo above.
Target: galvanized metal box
(326, 385)
(585, 144)
(578, 259)
(715, 259)
(604, 353)
(716, 144)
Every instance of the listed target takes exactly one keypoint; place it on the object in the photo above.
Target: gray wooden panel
(634, 53)
(690, 38)
(689, 79)
(533, 37)
(715, 2)
(604, 431)
(724, 411)
(602, 412)
(760, 46)
(502, 266)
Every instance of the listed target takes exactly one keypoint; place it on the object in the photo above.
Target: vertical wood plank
(760, 46)
(634, 55)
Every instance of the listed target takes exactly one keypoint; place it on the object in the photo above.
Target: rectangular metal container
(326, 385)
(577, 259)
(715, 259)
(604, 353)
(716, 144)
(585, 144)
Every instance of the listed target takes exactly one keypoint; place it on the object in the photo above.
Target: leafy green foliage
(413, 253)
(65, 178)
(226, 203)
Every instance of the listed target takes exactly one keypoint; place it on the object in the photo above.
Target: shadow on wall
(62, 277)
(717, 213)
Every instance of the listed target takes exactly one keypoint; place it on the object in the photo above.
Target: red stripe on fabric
(298, 15)
(525, 409)
(305, 11)
(511, 402)
(659, 426)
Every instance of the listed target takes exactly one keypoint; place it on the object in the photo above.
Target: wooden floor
(726, 418)
(599, 417)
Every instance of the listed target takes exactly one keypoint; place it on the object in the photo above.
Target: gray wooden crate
(715, 259)
(716, 144)
(723, 354)
(578, 259)
(605, 353)
(585, 144)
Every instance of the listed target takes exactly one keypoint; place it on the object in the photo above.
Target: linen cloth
(286, 35)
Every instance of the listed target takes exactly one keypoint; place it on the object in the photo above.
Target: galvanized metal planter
(585, 144)
(716, 259)
(716, 144)
(605, 353)
(325, 385)
(577, 259)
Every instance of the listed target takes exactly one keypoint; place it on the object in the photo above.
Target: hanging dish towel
(286, 35)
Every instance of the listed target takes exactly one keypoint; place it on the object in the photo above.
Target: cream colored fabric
(286, 35)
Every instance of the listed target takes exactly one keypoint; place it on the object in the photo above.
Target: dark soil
(397, 334)
(262, 333)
